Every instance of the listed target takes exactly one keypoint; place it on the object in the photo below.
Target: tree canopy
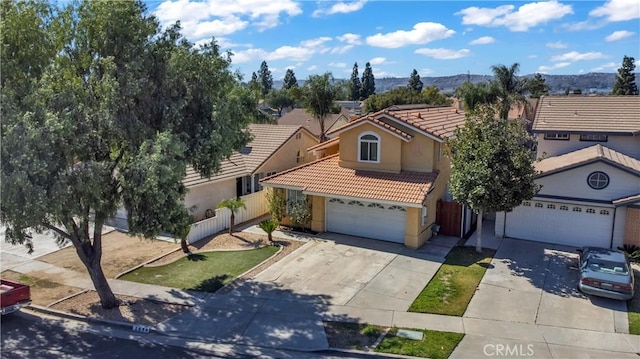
(317, 96)
(405, 96)
(536, 86)
(355, 86)
(265, 79)
(102, 110)
(415, 83)
(280, 99)
(492, 169)
(626, 79)
(368, 86)
(289, 80)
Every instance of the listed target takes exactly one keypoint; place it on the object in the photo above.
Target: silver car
(605, 273)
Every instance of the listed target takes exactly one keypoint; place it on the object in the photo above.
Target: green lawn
(451, 289)
(434, 345)
(202, 271)
(633, 308)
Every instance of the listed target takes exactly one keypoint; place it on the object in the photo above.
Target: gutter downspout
(613, 227)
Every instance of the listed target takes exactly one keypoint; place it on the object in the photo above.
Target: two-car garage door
(366, 219)
(561, 223)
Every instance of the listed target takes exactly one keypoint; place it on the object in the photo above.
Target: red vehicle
(13, 296)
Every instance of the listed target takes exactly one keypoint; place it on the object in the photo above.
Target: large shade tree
(317, 96)
(368, 86)
(509, 88)
(355, 86)
(101, 110)
(492, 171)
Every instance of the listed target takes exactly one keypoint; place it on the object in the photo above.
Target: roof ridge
(297, 128)
(302, 166)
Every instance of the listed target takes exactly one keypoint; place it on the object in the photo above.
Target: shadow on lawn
(196, 257)
(211, 284)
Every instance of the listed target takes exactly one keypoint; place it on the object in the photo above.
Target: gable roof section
(437, 122)
(324, 145)
(586, 156)
(618, 115)
(300, 117)
(267, 140)
(376, 122)
(325, 177)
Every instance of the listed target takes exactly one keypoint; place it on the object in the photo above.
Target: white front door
(568, 224)
(366, 219)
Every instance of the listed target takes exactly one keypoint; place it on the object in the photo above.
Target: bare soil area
(44, 290)
(352, 335)
(123, 252)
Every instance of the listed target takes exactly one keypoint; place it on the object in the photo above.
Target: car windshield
(598, 265)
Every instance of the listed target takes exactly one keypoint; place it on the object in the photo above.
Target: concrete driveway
(536, 283)
(352, 271)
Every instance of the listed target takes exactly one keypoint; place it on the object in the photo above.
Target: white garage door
(561, 223)
(366, 219)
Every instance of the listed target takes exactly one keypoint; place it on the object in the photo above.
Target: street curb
(373, 354)
(82, 318)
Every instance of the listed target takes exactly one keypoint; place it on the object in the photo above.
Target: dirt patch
(352, 335)
(132, 310)
(44, 291)
(120, 252)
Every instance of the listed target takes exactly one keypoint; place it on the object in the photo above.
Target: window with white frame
(424, 215)
(369, 147)
(594, 138)
(294, 196)
(556, 136)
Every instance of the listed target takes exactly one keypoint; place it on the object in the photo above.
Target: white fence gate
(256, 207)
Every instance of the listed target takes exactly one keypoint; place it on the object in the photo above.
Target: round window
(598, 180)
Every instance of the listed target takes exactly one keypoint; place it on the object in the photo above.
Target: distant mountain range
(593, 82)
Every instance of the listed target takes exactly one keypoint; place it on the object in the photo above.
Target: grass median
(434, 345)
(206, 272)
(451, 289)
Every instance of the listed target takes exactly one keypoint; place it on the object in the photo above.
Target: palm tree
(232, 205)
(508, 88)
(269, 225)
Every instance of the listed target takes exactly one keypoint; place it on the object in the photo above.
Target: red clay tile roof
(608, 114)
(440, 122)
(326, 177)
(300, 117)
(587, 155)
(386, 126)
(267, 139)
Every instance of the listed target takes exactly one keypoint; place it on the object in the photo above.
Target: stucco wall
(629, 145)
(417, 155)
(632, 226)
(317, 213)
(208, 196)
(390, 150)
(286, 156)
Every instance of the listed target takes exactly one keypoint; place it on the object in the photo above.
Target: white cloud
(619, 35)
(618, 10)
(422, 33)
(525, 17)
(425, 71)
(483, 40)
(312, 68)
(340, 8)
(443, 54)
(607, 66)
(637, 63)
(532, 56)
(557, 45)
(577, 56)
(559, 65)
(351, 39)
(214, 17)
(378, 60)
(303, 52)
(379, 73)
(337, 64)
(341, 49)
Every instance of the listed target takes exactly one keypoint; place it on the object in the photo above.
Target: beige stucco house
(379, 177)
(273, 149)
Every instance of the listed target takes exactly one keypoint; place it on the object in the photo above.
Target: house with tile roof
(589, 172)
(273, 149)
(379, 177)
(300, 117)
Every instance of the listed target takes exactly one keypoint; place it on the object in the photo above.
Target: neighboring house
(590, 174)
(354, 107)
(273, 149)
(300, 117)
(379, 177)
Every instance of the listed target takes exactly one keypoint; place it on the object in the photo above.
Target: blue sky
(437, 38)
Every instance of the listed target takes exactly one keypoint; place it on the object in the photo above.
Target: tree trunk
(184, 246)
(107, 299)
(479, 232)
(270, 237)
(233, 222)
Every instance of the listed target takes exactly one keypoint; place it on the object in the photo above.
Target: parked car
(13, 296)
(605, 273)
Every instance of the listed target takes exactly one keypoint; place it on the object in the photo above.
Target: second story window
(369, 148)
(556, 136)
(594, 138)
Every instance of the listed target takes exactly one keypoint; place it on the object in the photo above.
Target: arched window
(369, 147)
